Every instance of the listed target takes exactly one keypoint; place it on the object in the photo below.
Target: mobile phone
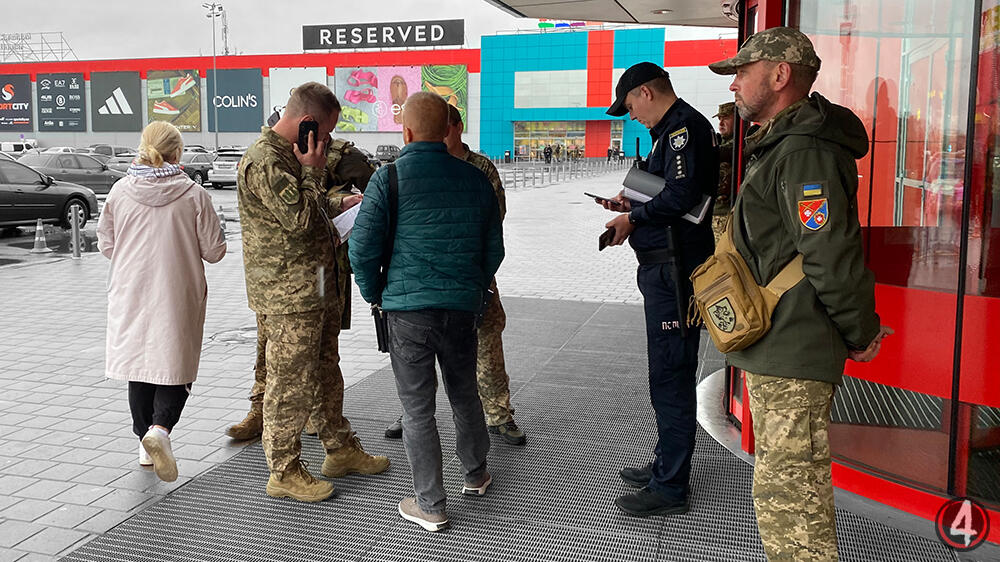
(602, 199)
(605, 239)
(304, 128)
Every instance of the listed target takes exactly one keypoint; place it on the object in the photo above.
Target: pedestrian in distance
(446, 245)
(157, 228)
(799, 197)
(292, 284)
(668, 249)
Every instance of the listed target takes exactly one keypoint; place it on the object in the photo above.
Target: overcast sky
(114, 29)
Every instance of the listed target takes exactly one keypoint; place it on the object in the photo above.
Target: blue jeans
(416, 339)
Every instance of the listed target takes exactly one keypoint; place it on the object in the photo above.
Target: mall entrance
(568, 139)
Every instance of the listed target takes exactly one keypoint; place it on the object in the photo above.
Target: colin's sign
(381, 35)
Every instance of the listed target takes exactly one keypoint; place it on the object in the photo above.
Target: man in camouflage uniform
(799, 196)
(348, 172)
(292, 284)
(722, 201)
(491, 372)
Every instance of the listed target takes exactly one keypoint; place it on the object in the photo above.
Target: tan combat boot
(298, 484)
(352, 458)
(251, 427)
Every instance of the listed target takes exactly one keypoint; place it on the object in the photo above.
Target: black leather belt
(651, 257)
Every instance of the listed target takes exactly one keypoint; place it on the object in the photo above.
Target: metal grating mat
(551, 500)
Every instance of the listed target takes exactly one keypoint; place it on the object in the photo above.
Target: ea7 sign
(380, 35)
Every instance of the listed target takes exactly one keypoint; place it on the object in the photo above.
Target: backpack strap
(788, 277)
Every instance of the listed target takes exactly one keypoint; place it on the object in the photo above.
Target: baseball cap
(635, 76)
(778, 44)
(726, 109)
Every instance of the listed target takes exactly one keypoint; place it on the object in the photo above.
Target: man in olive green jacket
(799, 195)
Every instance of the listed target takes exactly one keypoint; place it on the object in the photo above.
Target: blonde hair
(160, 142)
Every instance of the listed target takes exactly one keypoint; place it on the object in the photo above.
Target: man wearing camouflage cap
(799, 196)
(722, 200)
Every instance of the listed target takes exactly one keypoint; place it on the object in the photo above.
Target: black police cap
(635, 76)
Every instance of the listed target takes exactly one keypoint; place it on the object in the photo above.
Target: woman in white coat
(157, 228)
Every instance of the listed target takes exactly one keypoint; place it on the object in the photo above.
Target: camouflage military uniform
(722, 199)
(346, 168)
(491, 372)
(799, 196)
(291, 279)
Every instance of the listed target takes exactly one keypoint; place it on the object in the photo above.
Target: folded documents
(344, 222)
(642, 186)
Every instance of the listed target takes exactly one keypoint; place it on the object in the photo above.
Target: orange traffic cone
(40, 245)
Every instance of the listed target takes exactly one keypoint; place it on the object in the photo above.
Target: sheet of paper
(344, 222)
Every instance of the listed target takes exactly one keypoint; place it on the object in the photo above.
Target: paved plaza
(70, 484)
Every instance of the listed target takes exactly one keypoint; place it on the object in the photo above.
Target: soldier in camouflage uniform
(799, 196)
(292, 284)
(491, 372)
(348, 172)
(722, 200)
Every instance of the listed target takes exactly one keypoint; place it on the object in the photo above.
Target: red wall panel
(598, 139)
(600, 63)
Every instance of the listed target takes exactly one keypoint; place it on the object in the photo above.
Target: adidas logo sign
(116, 104)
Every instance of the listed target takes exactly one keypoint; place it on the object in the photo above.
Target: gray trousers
(416, 339)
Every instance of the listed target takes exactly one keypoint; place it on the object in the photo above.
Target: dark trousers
(156, 404)
(673, 366)
(416, 339)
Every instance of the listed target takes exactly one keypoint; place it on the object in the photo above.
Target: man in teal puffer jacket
(447, 247)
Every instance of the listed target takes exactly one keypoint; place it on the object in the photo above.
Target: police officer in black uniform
(668, 249)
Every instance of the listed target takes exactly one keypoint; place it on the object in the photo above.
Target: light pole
(214, 10)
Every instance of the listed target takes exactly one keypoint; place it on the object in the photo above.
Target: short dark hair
(660, 85)
(454, 116)
(312, 98)
(803, 76)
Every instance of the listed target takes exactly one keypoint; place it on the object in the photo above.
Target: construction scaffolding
(35, 47)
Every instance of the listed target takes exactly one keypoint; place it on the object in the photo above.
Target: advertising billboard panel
(15, 103)
(62, 103)
(357, 90)
(238, 99)
(281, 82)
(115, 101)
(383, 35)
(175, 96)
(449, 81)
(397, 83)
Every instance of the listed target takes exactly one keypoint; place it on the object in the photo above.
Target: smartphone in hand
(600, 199)
(305, 127)
(605, 239)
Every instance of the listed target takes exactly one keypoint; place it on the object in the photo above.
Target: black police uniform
(685, 154)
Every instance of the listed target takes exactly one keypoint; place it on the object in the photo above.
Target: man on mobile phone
(291, 279)
(668, 249)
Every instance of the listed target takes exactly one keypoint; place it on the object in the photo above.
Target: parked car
(19, 146)
(59, 149)
(387, 152)
(102, 158)
(110, 150)
(196, 165)
(121, 163)
(375, 162)
(5, 156)
(76, 168)
(223, 171)
(195, 148)
(27, 195)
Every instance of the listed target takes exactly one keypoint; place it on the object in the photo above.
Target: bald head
(425, 116)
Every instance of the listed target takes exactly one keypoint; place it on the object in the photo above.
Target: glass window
(66, 161)
(34, 159)
(188, 157)
(88, 163)
(14, 173)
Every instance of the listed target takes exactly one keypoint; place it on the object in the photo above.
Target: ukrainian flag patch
(812, 189)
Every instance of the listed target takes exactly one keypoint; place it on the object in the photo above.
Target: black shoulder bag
(381, 320)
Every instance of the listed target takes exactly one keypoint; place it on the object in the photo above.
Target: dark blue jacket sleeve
(367, 237)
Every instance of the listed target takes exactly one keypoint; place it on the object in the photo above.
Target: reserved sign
(381, 35)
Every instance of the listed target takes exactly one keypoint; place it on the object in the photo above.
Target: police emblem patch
(813, 213)
(722, 315)
(679, 138)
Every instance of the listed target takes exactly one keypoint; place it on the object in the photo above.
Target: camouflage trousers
(302, 381)
(491, 371)
(718, 225)
(792, 486)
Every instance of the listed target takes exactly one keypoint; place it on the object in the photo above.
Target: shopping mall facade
(519, 92)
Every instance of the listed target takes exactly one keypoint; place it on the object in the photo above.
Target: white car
(60, 149)
(223, 171)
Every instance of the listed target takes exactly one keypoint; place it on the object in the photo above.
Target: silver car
(223, 171)
(76, 168)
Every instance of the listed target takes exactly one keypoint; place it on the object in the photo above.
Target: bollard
(534, 178)
(75, 240)
(222, 222)
(40, 246)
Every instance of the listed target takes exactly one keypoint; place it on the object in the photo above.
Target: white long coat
(156, 232)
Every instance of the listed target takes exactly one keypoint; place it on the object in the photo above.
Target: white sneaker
(144, 458)
(157, 444)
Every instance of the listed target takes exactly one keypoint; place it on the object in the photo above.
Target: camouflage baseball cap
(778, 44)
(726, 109)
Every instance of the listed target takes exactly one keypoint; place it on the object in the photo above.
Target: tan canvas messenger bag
(736, 310)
